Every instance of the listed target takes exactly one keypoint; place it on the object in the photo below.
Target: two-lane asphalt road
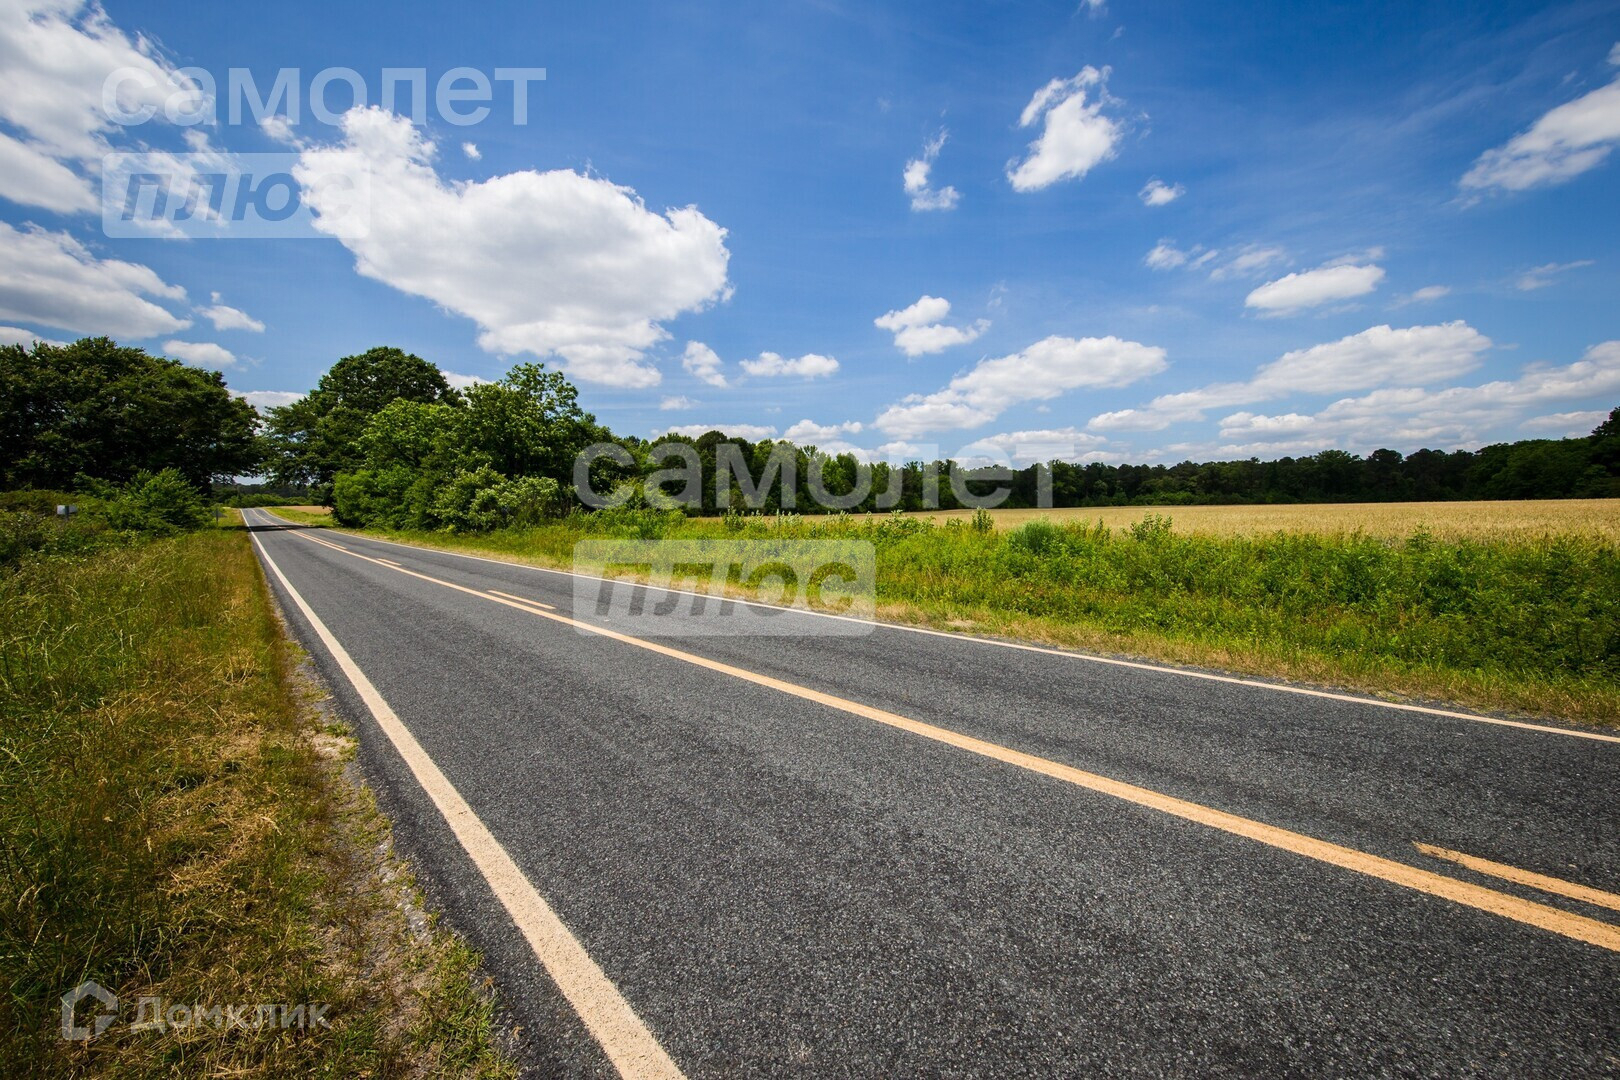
(906, 853)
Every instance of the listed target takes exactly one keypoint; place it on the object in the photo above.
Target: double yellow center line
(1529, 912)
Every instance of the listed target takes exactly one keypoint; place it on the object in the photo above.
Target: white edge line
(629, 1045)
(1138, 665)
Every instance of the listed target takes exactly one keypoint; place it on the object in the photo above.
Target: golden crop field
(1450, 520)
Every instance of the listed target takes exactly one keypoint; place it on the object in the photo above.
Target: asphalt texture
(778, 887)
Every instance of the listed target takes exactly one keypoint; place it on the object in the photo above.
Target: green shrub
(1152, 529)
(36, 501)
(157, 504)
(393, 498)
(482, 500)
(29, 525)
(641, 524)
(1041, 539)
(471, 500)
(22, 532)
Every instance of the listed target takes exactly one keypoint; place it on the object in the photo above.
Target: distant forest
(385, 439)
(1581, 468)
(1585, 467)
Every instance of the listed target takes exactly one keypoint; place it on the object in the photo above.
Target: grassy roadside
(179, 820)
(1523, 624)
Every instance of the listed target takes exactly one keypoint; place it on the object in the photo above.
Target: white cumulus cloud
(1378, 356)
(751, 432)
(1044, 370)
(677, 403)
(808, 431)
(1310, 288)
(1158, 193)
(549, 263)
(917, 183)
(16, 335)
(460, 381)
(1453, 416)
(1567, 141)
(52, 279)
(1570, 424)
(772, 365)
(267, 399)
(200, 353)
(225, 317)
(703, 363)
(920, 329)
(33, 178)
(55, 57)
(1022, 448)
(1075, 136)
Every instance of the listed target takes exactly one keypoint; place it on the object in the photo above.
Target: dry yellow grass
(304, 515)
(1449, 520)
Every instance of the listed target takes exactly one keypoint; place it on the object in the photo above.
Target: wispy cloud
(1542, 276)
(1569, 140)
(916, 179)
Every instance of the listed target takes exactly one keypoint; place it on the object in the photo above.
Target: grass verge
(180, 821)
(1528, 625)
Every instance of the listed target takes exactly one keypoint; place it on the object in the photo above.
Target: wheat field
(1449, 520)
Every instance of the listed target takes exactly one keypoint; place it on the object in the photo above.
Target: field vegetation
(1525, 621)
(175, 822)
(1482, 520)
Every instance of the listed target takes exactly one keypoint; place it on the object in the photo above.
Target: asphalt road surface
(910, 854)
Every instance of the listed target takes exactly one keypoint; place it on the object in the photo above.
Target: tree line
(385, 440)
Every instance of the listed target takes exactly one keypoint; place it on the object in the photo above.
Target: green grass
(1521, 623)
(176, 822)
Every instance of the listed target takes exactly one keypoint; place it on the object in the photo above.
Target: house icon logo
(76, 1032)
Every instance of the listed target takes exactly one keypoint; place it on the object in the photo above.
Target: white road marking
(519, 599)
(629, 1045)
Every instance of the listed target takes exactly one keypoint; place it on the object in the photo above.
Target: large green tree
(318, 436)
(109, 412)
(503, 438)
(527, 424)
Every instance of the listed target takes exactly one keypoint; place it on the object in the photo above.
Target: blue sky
(1113, 231)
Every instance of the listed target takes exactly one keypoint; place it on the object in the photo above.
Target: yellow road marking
(629, 1045)
(1528, 912)
(1557, 886)
(520, 599)
(1067, 654)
